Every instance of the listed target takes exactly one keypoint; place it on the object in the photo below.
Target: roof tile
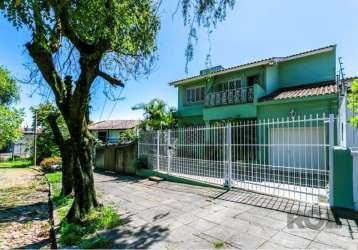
(317, 89)
(113, 124)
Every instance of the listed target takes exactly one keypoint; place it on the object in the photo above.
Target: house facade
(290, 86)
(109, 131)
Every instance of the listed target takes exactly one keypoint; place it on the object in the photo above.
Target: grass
(218, 244)
(102, 218)
(79, 235)
(20, 163)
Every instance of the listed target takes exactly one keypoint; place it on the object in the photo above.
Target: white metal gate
(288, 157)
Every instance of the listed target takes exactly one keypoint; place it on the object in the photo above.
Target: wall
(272, 78)
(304, 106)
(118, 158)
(230, 112)
(309, 69)
(342, 178)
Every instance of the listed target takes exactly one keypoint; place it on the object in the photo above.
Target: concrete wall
(303, 106)
(118, 158)
(310, 69)
(342, 178)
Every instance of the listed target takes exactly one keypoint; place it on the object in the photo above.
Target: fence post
(138, 142)
(228, 160)
(330, 158)
(158, 148)
(168, 153)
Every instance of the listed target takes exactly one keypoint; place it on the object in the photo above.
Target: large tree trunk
(68, 164)
(68, 158)
(85, 194)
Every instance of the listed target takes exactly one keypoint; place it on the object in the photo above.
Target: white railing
(232, 96)
(287, 157)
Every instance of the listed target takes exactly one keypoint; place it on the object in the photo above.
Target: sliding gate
(288, 157)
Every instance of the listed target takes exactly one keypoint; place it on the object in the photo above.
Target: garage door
(302, 148)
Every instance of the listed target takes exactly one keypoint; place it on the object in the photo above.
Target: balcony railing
(232, 96)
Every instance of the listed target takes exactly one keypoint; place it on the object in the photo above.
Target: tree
(157, 115)
(54, 140)
(10, 117)
(10, 121)
(75, 42)
(353, 103)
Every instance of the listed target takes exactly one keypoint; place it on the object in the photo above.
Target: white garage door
(302, 148)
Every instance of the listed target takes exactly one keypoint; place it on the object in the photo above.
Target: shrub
(71, 234)
(140, 163)
(47, 163)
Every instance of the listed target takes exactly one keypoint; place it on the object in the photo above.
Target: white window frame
(228, 83)
(194, 90)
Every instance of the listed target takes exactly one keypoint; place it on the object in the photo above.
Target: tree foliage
(157, 115)
(9, 92)
(353, 103)
(10, 121)
(46, 145)
(10, 117)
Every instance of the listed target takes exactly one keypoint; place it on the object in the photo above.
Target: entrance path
(175, 216)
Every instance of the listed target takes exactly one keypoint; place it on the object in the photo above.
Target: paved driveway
(176, 216)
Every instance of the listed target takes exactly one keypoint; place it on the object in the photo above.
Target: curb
(52, 233)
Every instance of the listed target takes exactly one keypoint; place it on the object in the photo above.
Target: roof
(262, 62)
(28, 130)
(317, 89)
(113, 124)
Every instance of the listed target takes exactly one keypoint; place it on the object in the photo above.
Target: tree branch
(44, 62)
(61, 12)
(113, 81)
(57, 135)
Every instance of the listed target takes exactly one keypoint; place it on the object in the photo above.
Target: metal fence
(288, 157)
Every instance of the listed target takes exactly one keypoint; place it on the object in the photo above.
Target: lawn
(20, 163)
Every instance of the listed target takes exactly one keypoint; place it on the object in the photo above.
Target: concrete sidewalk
(172, 215)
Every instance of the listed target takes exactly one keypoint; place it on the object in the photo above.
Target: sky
(253, 30)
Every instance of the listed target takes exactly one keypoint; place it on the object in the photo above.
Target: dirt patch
(23, 209)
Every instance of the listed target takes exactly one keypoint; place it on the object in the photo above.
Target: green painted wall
(309, 69)
(342, 178)
(230, 112)
(190, 121)
(304, 106)
(272, 78)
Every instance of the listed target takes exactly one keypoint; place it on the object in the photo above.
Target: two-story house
(295, 85)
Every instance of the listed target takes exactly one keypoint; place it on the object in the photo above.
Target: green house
(296, 85)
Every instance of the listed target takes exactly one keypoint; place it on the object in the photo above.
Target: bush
(140, 163)
(47, 163)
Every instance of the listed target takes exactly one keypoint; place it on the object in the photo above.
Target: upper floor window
(229, 85)
(195, 94)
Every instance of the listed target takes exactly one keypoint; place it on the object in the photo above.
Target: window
(229, 85)
(252, 80)
(195, 94)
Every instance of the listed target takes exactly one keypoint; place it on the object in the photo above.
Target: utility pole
(35, 138)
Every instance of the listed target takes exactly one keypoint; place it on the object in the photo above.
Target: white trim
(194, 88)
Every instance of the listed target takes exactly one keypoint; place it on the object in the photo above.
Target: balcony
(232, 96)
